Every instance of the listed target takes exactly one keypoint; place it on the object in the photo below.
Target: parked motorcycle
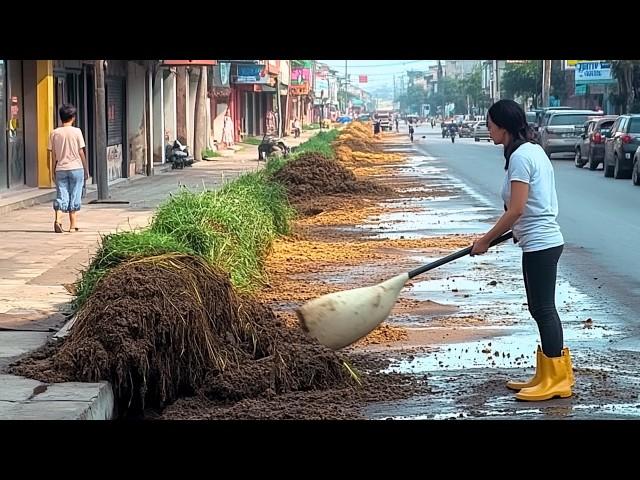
(178, 155)
(272, 145)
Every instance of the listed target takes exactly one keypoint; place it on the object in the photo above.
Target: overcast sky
(379, 72)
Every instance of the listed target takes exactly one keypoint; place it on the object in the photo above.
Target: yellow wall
(44, 105)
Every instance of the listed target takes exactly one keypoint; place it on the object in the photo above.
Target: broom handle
(455, 256)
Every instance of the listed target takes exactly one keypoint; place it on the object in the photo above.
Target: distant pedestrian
(69, 164)
(228, 139)
(376, 127)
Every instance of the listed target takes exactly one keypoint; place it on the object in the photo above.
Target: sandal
(57, 227)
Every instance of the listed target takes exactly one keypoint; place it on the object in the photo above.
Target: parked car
(481, 131)
(343, 119)
(562, 129)
(590, 145)
(364, 117)
(466, 130)
(620, 146)
(531, 118)
(542, 118)
(635, 173)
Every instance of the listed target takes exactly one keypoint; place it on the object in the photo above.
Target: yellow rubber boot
(567, 353)
(555, 382)
(515, 385)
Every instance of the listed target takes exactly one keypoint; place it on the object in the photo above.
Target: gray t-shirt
(537, 228)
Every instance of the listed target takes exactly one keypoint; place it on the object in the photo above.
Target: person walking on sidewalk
(69, 163)
(227, 130)
(296, 128)
(531, 208)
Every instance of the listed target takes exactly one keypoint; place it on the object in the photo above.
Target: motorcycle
(411, 133)
(178, 155)
(272, 145)
(452, 134)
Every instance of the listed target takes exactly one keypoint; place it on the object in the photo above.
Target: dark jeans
(540, 269)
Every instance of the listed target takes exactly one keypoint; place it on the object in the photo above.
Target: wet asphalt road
(466, 380)
(599, 217)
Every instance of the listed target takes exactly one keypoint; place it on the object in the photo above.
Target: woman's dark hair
(509, 115)
(67, 112)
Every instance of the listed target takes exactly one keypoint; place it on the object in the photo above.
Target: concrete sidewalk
(38, 267)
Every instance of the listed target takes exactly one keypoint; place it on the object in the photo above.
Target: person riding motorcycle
(453, 129)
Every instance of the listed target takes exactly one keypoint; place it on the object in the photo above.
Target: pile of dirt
(313, 174)
(355, 143)
(344, 403)
(163, 327)
(357, 136)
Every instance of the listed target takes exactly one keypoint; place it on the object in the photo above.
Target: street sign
(594, 72)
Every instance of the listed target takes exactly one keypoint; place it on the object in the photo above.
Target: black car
(620, 146)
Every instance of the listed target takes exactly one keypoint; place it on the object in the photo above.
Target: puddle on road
(449, 218)
(489, 287)
(508, 351)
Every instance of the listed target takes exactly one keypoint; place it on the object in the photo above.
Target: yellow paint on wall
(44, 111)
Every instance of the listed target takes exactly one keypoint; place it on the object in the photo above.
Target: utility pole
(546, 82)
(496, 81)
(280, 129)
(346, 86)
(101, 132)
(394, 88)
(441, 88)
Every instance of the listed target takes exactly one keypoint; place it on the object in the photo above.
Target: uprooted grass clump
(118, 247)
(319, 144)
(175, 327)
(232, 228)
(313, 174)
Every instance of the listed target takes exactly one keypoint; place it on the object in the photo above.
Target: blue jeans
(69, 185)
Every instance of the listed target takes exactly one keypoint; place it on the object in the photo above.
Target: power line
(379, 65)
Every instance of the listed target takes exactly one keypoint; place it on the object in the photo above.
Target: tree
(627, 72)
(413, 99)
(522, 79)
(471, 87)
(472, 84)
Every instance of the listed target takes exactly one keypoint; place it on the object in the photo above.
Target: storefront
(115, 95)
(73, 83)
(593, 85)
(254, 92)
(12, 146)
(300, 89)
(220, 97)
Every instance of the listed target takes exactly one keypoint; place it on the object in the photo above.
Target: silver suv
(561, 130)
(480, 131)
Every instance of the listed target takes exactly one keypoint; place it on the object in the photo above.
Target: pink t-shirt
(66, 142)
